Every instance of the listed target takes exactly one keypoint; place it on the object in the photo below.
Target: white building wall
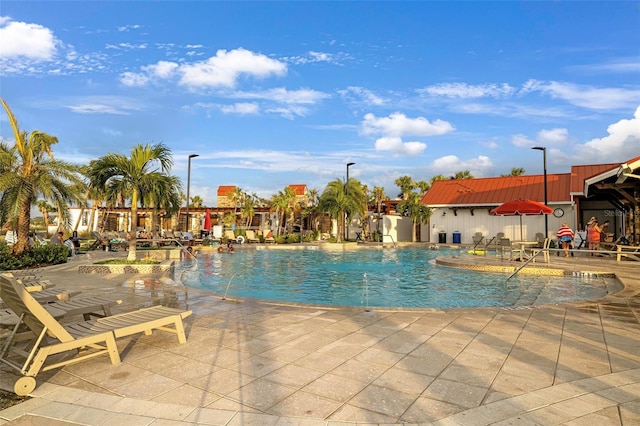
(444, 220)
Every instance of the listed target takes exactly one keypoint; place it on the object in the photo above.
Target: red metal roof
(497, 190)
(225, 190)
(581, 173)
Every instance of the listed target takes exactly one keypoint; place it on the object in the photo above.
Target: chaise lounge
(88, 338)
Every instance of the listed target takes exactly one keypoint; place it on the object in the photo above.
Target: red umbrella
(207, 220)
(521, 208)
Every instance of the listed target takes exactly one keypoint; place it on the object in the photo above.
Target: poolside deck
(247, 362)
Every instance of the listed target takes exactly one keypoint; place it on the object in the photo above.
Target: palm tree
(311, 211)
(406, 185)
(437, 177)
(163, 194)
(44, 207)
(516, 171)
(463, 174)
(283, 204)
(378, 196)
(133, 175)
(197, 202)
(417, 212)
(247, 209)
(423, 186)
(341, 201)
(28, 171)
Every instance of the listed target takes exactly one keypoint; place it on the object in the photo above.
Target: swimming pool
(401, 278)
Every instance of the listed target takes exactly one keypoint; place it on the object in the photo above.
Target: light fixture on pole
(544, 165)
(188, 187)
(346, 193)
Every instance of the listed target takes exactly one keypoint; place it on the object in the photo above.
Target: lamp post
(346, 193)
(188, 187)
(544, 165)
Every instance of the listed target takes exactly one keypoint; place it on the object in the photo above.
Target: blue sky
(277, 93)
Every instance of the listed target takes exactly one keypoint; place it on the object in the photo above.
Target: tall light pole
(546, 202)
(347, 193)
(189, 187)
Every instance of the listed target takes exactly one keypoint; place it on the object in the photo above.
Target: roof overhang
(625, 171)
(598, 178)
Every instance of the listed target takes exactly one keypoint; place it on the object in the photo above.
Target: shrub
(40, 255)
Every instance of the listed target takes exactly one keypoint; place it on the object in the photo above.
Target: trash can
(442, 237)
(457, 237)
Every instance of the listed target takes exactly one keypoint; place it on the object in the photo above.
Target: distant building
(224, 196)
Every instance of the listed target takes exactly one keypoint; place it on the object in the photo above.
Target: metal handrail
(556, 250)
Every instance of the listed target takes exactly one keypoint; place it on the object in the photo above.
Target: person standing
(593, 235)
(565, 235)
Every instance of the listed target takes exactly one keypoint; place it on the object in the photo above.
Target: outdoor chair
(545, 251)
(91, 306)
(98, 241)
(87, 338)
(251, 237)
(477, 238)
(268, 236)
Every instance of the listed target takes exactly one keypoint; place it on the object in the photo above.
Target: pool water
(402, 278)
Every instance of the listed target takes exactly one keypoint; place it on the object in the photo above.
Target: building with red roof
(605, 191)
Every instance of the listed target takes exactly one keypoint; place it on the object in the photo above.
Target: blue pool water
(403, 278)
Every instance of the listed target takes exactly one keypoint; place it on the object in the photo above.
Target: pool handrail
(548, 250)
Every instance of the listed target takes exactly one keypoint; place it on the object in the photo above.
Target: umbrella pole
(521, 238)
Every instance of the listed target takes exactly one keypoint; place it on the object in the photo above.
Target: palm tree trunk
(22, 242)
(132, 226)
(91, 217)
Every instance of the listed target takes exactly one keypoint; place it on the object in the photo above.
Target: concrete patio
(249, 362)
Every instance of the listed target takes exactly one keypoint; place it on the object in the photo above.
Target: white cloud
(282, 95)
(95, 109)
(553, 136)
(397, 124)
(21, 39)
(126, 28)
(162, 69)
(544, 137)
(314, 57)
(241, 108)
(289, 112)
(127, 46)
(621, 143)
(586, 96)
(398, 147)
(463, 90)
(224, 69)
(449, 165)
(113, 105)
(220, 71)
(361, 95)
(522, 141)
(133, 79)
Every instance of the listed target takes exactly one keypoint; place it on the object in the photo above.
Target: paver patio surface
(249, 362)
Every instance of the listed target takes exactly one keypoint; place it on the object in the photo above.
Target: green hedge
(41, 255)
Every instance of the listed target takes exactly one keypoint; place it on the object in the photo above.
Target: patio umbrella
(521, 208)
(207, 220)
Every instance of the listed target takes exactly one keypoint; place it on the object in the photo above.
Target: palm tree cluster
(28, 171)
(143, 177)
(31, 176)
